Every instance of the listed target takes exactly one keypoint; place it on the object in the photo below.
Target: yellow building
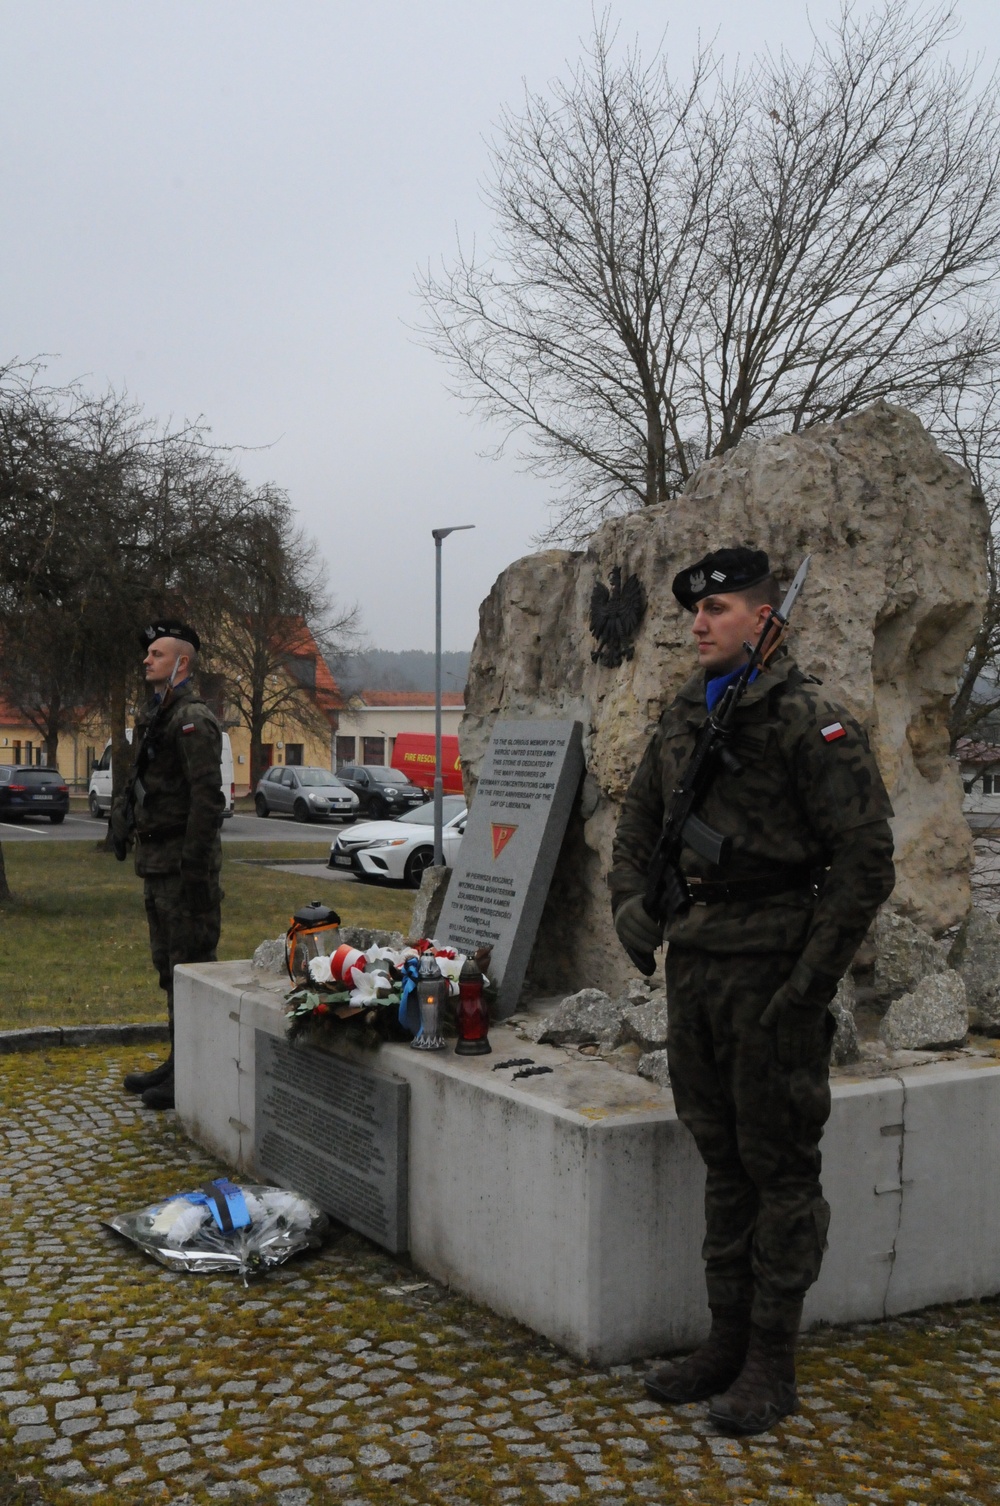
(301, 732)
(21, 743)
(325, 730)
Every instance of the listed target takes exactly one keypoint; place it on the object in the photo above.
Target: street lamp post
(439, 535)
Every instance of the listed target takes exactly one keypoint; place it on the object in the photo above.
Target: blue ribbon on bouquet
(224, 1198)
(409, 1008)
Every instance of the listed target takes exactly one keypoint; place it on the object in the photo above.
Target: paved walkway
(345, 1377)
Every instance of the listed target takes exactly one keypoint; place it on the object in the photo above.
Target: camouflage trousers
(757, 1126)
(175, 935)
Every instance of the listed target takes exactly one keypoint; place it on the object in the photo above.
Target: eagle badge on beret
(721, 572)
(168, 627)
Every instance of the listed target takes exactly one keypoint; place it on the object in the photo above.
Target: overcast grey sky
(221, 204)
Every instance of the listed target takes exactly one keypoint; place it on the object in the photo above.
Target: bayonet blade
(794, 589)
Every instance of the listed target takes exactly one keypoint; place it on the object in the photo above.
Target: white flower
(382, 954)
(450, 967)
(319, 970)
(367, 985)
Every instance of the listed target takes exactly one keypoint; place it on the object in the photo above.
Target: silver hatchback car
(305, 793)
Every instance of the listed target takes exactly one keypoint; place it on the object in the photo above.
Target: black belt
(797, 881)
(162, 834)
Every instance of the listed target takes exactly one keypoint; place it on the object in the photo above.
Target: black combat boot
(765, 1389)
(162, 1095)
(712, 1367)
(138, 1082)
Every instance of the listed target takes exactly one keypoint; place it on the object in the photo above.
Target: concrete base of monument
(572, 1202)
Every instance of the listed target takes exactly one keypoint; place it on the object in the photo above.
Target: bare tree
(112, 520)
(676, 266)
(968, 428)
(154, 510)
(274, 612)
(41, 673)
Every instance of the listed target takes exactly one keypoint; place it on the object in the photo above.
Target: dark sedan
(32, 792)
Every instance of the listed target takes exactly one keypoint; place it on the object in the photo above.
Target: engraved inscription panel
(337, 1132)
(529, 779)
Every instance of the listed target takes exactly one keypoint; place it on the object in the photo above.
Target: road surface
(80, 827)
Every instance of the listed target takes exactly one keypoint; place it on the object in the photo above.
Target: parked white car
(400, 849)
(99, 789)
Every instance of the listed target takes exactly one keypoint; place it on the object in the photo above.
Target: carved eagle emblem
(615, 616)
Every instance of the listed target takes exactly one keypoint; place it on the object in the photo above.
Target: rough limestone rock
(904, 954)
(646, 1024)
(637, 991)
(845, 1048)
(625, 1058)
(976, 957)
(897, 535)
(364, 937)
(584, 1017)
(653, 1065)
(269, 957)
(429, 901)
(934, 1014)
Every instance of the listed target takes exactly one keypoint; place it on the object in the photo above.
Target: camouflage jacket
(810, 796)
(178, 801)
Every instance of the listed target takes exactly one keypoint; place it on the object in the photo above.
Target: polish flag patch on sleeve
(828, 734)
(190, 727)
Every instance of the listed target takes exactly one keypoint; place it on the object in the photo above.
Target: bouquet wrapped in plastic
(225, 1226)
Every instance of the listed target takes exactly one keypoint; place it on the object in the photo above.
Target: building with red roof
(371, 720)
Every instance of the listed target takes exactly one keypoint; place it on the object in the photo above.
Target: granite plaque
(337, 1132)
(526, 789)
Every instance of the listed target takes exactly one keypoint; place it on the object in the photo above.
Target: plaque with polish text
(335, 1131)
(528, 782)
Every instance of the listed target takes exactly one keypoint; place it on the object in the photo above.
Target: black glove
(118, 831)
(638, 932)
(802, 1022)
(196, 893)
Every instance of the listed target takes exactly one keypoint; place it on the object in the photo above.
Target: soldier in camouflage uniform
(751, 969)
(172, 808)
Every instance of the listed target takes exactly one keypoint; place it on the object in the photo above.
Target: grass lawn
(74, 948)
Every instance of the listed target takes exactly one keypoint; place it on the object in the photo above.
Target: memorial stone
(528, 781)
(337, 1132)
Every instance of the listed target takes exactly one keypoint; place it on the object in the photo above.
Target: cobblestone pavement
(344, 1377)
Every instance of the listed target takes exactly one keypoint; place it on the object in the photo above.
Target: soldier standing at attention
(173, 807)
(751, 968)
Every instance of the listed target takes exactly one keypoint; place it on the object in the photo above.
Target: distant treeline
(406, 669)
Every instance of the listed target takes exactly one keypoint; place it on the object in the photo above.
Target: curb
(40, 1037)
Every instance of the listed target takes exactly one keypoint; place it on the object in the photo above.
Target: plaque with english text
(517, 820)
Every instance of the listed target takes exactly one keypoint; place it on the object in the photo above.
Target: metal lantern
(314, 932)
(432, 993)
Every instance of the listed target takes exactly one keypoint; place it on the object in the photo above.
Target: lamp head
(442, 533)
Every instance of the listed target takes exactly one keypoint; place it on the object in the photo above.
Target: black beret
(722, 571)
(168, 627)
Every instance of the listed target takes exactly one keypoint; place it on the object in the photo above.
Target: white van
(99, 789)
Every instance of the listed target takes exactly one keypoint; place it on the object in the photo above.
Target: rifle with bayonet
(667, 893)
(121, 817)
